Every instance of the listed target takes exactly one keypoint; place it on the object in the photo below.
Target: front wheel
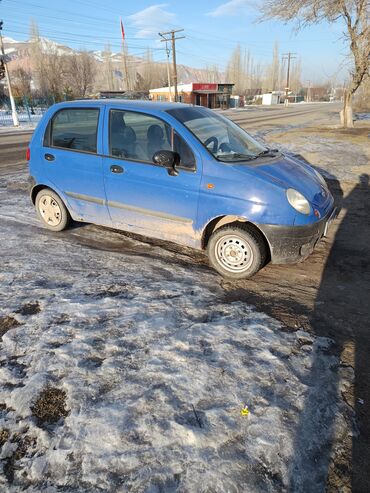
(51, 210)
(236, 252)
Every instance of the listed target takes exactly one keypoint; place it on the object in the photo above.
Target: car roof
(127, 103)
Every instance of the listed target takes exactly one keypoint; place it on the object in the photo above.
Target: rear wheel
(51, 210)
(236, 252)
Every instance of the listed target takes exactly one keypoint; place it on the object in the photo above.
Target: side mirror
(167, 159)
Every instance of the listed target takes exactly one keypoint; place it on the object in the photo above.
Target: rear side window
(75, 129)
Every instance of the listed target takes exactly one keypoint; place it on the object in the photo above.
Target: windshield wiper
(238, 155)
(268, 152)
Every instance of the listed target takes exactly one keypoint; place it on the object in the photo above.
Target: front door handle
(116, 169)
(49, 157)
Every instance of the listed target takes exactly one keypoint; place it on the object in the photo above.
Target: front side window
(139, 136)
(223, 138)
(187, 159)
(75, 128)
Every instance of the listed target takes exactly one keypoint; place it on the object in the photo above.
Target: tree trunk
(346, 115)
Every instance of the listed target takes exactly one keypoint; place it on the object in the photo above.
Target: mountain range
(19, 54)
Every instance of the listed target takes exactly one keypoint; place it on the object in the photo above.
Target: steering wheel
(214, 141)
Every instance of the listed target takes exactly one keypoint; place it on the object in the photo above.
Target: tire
(51, 210)
(236, 252)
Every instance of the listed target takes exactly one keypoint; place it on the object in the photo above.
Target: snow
(25, 120)
(362, 116)
(147, 349)
(101, 56)
(50, 46)
(8, 40)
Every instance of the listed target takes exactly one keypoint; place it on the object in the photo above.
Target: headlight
(298, 201)
(321, 179)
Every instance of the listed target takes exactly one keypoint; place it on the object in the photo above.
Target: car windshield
(223, 138)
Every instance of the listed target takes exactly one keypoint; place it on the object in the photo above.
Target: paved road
(13, 145)
(13, 151)
(297, 114)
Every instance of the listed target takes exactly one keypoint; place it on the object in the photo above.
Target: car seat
(155, 140)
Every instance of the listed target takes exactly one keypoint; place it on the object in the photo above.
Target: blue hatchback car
(180, 173)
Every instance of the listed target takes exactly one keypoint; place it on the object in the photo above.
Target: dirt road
(328, 294)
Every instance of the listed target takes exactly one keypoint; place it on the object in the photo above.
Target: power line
(60, 39)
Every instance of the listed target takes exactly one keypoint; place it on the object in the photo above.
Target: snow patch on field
(155, 367)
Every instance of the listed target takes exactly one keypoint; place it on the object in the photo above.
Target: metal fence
(29, 111)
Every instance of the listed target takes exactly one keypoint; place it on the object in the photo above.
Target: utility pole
(12, 103)
(174, 67)
(288, 56)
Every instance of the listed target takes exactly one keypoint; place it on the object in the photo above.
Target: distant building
(237, 101)
(270, 98)
(211, 95)
(121, 94)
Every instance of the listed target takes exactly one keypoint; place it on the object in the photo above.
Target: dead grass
(30, 308)
(4, 436)
(358, 135)
(25, 445)
(7, 323)
(50, 406)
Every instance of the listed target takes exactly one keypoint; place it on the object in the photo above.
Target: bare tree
(272, 72)
(127, 75)
(36, 55)
(235, 71)
(212, 74)
(148, 71)
(54, 73)
(80, 73)
(22, 82)
(354, 14)
(151, 74)
(48, 66)
(296, 75)
(108, 68)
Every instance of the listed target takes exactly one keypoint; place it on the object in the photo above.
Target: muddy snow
(123, 369)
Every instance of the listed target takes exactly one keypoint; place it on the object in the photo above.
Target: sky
(212, 29)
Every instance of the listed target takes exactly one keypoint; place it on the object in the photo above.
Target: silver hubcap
(233, 253)
(50, 210)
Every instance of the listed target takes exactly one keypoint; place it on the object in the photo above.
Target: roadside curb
(17, 132)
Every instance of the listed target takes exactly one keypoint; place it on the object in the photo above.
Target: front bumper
(290, 244)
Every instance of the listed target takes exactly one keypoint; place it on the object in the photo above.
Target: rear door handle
(116, 169)
(49, 157)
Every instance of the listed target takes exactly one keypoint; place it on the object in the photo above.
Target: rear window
(75, 129)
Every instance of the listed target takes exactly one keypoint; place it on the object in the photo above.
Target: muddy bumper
(290, 244)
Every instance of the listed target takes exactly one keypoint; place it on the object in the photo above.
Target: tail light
(28, 154)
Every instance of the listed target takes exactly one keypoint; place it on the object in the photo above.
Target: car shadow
(336, 307)
(341, 314)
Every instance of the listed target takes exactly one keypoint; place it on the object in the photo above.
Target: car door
(142, 197)
(73, 161)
